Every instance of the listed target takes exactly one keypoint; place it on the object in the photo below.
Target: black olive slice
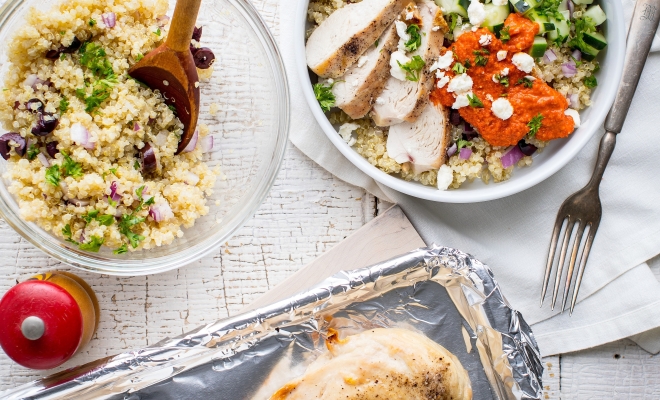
(35, 106)
(51, 149)
(526, 148)
(203, 57)
(20, 147)
(46, 123)
(148, 159)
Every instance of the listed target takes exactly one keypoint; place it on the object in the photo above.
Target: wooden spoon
(170, 68)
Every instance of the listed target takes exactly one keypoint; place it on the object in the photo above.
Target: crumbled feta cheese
(435, 28)
(485, 40)
(530, 77)
(575, 115)
(474, 28)
(461, 101)
(476, 12)
(380, 101)
(505, 72)
(502, 109)
(362, 60)
(445, 177)
(443, 62)
(401, 30)
(395, 68)
(500, 2)
(442, 79)
(489, 97)
(346, 132)
(523, 62)
(409, 15)
(501, 55)
(460, 84)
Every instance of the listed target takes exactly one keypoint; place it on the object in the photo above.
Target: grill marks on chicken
(384, 363)
(347, 33)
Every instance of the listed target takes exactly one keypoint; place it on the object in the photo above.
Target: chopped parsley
(70, 167)
(590, 82)
(172, 108)
(460, 143)
(502, 79)
(481, 59)
(66, 232)
(32, 152)
(582, 26)
(128, 221)
(139, 57)
(454, 19)
(95, 59)
(458, 68)
(53, 175)
(121, 250)
(92, 22)
(505, 36)
(136, 165)
(103, 219)
(550, 9)
(324, 96)
(467, 64)
(62, 56)
(534, 125)
(415, 38)
(474, 101)
(114, 171)
(157, 32)
(526, 82)
(412, 68)
(64, 105)
(94, 244)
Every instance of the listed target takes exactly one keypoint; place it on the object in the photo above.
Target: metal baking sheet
(442, 292)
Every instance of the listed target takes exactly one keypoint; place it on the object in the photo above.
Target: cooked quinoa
(484, 163)
(71, 194)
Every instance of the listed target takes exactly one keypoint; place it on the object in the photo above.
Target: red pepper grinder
(47, 319)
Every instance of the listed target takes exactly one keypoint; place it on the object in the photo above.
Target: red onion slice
(568, 69)
(44, 161)
(136, 127)
(573, 100)
(32, 81)
(161, 212)
(193, 142)
(511, 157)
(452, 150)
(577, 54)
(109, 19)
(549, 56)
(79, 134)
(571, 9)
(207, 144)
(113, 191)
(465, 153)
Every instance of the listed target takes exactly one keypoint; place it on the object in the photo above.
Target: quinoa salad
(446, 92)
(90, 151)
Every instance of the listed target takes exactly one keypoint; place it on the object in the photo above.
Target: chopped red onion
(465, 153)
(65, 188)
(109, 19)
(136, 127)
(113, 191)
(193, 142)
(511, 157)
(44, 161)
(162, 20)
(452, 150)
(161, 212)
(571, 9)
(573, 100)
(568, 69)
(549, 56)
(79, 134)
(207, 144)
(78, 202)
(577, 54)
(191, 179)
(33, 80)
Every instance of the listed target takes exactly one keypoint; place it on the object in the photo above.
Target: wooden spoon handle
(183, 23)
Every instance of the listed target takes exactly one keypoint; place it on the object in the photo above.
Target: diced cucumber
(523, 6)
(561, 31)
(588, 53)
(596, 14)
(542, 21)
(566, 14)
(539, 47)
(452, 7)
(595, 40)
(495, 16)
(583, 1)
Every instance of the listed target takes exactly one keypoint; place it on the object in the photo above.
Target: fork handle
(640, 36)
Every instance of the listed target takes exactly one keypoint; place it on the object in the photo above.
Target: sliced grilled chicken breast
(364, 80)
(381, 364)
(405, 100)
(347, 33)
(422, 143)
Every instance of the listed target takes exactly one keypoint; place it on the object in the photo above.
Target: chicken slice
(383, 363)
(347, 33)
(404, 100)
(422, 143)
(364, 80)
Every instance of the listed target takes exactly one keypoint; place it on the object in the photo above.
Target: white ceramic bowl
(554, 156)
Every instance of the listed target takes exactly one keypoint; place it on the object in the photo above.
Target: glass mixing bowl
(249, 130)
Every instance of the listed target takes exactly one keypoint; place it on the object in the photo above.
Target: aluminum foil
(442, 292)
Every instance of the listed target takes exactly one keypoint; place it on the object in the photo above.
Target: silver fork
(583, 207)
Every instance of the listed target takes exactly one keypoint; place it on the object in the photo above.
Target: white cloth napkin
(619, 296)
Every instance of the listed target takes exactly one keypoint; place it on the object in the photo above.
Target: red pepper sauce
(527, 102)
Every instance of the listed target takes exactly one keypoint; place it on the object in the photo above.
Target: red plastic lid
(41, 324)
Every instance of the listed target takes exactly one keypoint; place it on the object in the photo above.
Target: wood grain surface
(307, 212)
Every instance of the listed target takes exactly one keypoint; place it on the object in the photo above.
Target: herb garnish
(64, 105)
(139, 57)
(121, 250)
(114, 171)
(157, 32)
(458, 68)
(474, 101)
(32, 152)
(505, 36)
(412, 68)
(525, 82)
(324, 96)
(94, 58)
(136, 165)
(62, 56)
(460, 143)
(590, 82)
(92, 22)
(376, 43)
(415, 38)
(93, 245)
(66, 232)
(53, 175)
(549, 8)
(534, 125)
(103, 219)
(582, 26)
(454, 19)
(481, 59)
(127, 221)
(70, 167)
(502, 79)
(467, 64)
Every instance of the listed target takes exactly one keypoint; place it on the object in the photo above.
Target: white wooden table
(307, 212)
